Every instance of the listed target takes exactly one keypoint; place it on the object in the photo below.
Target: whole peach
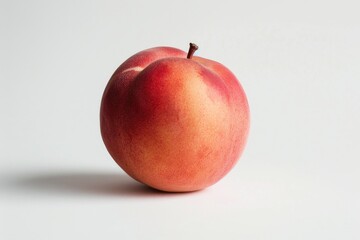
(172, 121)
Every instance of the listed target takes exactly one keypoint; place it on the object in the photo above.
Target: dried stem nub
(192, 49)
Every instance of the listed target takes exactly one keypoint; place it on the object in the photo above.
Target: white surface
(298, 62)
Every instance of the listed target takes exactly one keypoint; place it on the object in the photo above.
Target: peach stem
(192, 49)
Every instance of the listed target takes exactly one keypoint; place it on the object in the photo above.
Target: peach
(173, 121)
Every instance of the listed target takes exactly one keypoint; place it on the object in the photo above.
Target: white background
(298, 61)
